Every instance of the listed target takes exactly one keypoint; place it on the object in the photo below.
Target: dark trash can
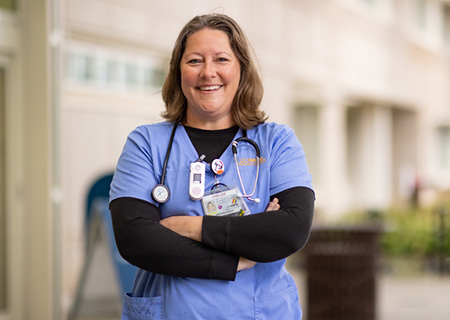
(341, 264)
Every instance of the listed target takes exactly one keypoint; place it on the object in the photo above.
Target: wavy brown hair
(246, 102)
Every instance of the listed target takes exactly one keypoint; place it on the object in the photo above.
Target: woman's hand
(187, 226)
(273, 205)
(245, 264)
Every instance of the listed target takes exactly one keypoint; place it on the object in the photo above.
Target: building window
(158, 76)
(112, 72)
(446, 23)
(421, 14)
(132, 74)
(102, 69)
(369, 2)
(81, 67)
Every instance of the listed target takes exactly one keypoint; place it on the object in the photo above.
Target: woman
(229, 265)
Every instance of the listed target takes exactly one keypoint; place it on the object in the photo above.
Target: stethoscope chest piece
(160, 193)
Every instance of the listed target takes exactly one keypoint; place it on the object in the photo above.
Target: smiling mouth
(209, 88)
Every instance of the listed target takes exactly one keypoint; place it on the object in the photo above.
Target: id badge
(225, 203)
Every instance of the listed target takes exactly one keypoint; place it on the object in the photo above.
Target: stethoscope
(161, 192)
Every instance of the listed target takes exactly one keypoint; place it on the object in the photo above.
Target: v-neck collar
(226, 156)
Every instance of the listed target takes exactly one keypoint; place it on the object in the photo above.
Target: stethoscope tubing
(166, 159)
(245, 195)
(258, 155)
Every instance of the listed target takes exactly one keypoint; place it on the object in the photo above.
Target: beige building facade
(364, 83)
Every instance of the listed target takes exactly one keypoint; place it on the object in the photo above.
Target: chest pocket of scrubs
(280, 305)
(142, 308)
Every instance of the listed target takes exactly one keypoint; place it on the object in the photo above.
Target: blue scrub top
(266, 291)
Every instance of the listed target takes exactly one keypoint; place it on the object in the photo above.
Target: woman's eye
(194, 61)
(222, 59)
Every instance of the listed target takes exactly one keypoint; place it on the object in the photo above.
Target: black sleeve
(144, 242)
(267, 236)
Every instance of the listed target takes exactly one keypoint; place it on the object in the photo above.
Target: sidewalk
(398, 298)
(426, 297)
(402, 298)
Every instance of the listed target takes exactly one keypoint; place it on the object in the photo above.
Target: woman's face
(210, 74)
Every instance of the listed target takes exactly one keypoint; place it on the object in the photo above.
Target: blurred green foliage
(410, 232)
(415, 233)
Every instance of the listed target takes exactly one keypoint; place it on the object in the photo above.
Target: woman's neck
(219, 124)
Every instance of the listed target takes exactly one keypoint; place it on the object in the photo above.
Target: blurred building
(364, 83)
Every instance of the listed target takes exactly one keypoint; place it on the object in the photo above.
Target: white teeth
(209, 88)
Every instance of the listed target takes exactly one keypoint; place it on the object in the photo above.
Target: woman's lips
(209, 88)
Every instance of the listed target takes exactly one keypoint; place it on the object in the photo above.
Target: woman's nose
(208, 70)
